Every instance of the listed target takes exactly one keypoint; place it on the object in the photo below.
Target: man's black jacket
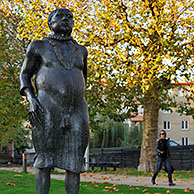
(163, 148)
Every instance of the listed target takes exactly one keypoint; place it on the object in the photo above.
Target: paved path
(119, 179)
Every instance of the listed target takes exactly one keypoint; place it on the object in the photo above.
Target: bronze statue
(58, 109)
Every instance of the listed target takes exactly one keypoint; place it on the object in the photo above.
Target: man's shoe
(172, 184)
(153, 182)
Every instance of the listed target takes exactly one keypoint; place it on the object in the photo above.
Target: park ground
(111, 180)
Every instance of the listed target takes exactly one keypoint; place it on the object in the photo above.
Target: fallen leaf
(145, 190)
(11, 184)
(108, 187)
(187, 190)
(140, 181)
(18, 175)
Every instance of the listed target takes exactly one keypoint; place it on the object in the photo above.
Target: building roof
(137, 118)
(183, 83)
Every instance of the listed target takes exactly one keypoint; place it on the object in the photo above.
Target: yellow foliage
(115, 33)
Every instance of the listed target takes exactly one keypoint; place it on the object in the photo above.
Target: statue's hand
(35, 105)
(35, 108)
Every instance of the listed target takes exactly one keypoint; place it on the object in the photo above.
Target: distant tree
(12, 113)
(116, 134)
(110, 134)
(134, 136)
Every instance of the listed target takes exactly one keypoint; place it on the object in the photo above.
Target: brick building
(179, 128)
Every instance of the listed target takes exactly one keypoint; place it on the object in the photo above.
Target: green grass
(134, 172)
(20, 183)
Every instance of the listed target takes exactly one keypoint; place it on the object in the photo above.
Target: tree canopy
(11, 56)
(134, 45)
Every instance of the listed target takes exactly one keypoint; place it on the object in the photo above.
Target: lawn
(20, 183)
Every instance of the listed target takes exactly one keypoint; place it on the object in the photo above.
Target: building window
(185, 125)
(170, 92)
(187, 91)
(167, 125)
(181, 92)
(185, 141)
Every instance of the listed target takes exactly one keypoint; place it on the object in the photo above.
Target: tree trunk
(147, 160)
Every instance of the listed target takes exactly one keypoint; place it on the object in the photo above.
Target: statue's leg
(72, 182)
(43, 180)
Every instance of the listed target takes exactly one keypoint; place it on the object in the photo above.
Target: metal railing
(182, 157)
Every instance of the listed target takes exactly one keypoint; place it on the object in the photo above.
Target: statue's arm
(85, 64)
(29, 68)
(26, 73)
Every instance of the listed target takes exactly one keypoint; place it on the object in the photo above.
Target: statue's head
(60, 21)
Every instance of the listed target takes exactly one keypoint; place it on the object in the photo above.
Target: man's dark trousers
(159, 167)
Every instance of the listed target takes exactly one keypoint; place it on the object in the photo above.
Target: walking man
(163, 156)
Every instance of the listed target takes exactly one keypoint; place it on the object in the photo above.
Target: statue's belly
(64, 86)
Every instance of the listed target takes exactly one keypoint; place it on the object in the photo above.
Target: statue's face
(62, 22)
